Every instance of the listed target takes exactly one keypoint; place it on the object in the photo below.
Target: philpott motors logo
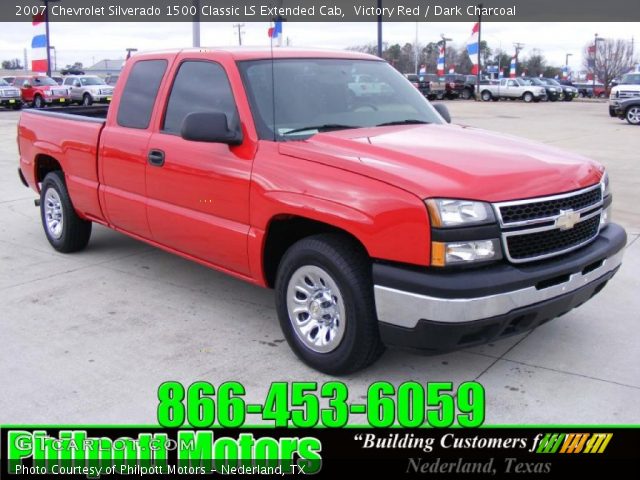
(571, 442)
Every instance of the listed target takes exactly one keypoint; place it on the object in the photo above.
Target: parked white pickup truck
(628, 87)
(512, 88)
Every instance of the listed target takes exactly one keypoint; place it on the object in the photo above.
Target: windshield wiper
(403, 122)
(321, 128)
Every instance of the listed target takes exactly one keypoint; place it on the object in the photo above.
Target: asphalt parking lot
(88, 337)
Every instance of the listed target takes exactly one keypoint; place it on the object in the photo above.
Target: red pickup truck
(375, 220)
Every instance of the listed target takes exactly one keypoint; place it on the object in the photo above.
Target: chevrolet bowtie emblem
(567, 219)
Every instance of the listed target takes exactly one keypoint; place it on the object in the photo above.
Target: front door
(198, 192)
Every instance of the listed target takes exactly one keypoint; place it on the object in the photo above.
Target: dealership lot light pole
(595, 59)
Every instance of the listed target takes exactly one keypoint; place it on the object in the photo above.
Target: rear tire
(466, 94)
(64, 229)
(486, 96)
(325, 304)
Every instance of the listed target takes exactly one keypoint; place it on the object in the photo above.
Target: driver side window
(199, 86)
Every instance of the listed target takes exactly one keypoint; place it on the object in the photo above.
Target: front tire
(325, 304)
(528, 97)
(38, 102)
(633, 115)
(86, 100)
(64, 229)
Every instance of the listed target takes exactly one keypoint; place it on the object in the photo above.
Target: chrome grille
(533, 245)
(544, 227)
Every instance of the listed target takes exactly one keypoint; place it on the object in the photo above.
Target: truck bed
(97, 113)
(70, 137)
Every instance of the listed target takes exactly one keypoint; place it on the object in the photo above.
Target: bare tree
(535, 64)
(613, 58)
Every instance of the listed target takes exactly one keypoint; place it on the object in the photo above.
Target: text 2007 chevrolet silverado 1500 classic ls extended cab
(375, 221)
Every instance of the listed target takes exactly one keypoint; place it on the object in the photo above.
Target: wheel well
(44, 165)
(284, 231)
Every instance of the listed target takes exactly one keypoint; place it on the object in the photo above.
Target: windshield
(317, 94)
(44, 81)
(91, 81)
(3, 83)
(631, 79)
(552, 82)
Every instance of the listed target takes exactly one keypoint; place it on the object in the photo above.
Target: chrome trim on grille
(405, 309)
(575, 193)
(510, 229)
(508, 234)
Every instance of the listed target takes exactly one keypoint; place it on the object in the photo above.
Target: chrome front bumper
(405, 309)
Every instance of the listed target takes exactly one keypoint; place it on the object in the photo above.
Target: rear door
(123, 147)
(198, 192)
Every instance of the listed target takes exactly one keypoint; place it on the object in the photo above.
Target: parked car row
(39, 91)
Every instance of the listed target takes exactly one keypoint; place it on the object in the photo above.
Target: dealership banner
(306, 428)
(322, 10)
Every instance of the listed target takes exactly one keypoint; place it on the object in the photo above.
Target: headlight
(47, 93)
(605, 218)
(445, 213)
(552, 89)
(604, 185)
(458, 253)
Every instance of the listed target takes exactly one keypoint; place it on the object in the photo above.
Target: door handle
(156, 158)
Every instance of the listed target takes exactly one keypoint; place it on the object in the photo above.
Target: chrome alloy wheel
(633, 115)
(53, 213)
(316, 309)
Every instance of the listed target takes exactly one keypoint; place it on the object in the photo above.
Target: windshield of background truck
(630, 79)
(88, 81)
(316, 92)
(44, 82)
(3, 83)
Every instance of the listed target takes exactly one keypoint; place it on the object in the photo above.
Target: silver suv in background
(9, 96)
(88, 89)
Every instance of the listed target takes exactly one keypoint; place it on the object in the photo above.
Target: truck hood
(450, 161)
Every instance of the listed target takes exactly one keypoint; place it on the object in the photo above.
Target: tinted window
(139, 95)
(68, 81)
(198, 87)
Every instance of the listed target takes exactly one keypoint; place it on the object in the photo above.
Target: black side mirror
(77, 84)
(442, 109)
(209, 127)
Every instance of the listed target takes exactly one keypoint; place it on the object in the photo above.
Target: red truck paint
(29, 94)
(215, 203)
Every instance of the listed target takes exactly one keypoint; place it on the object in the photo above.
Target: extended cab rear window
(140, 92)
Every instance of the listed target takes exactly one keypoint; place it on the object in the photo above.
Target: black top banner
(322, 10)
